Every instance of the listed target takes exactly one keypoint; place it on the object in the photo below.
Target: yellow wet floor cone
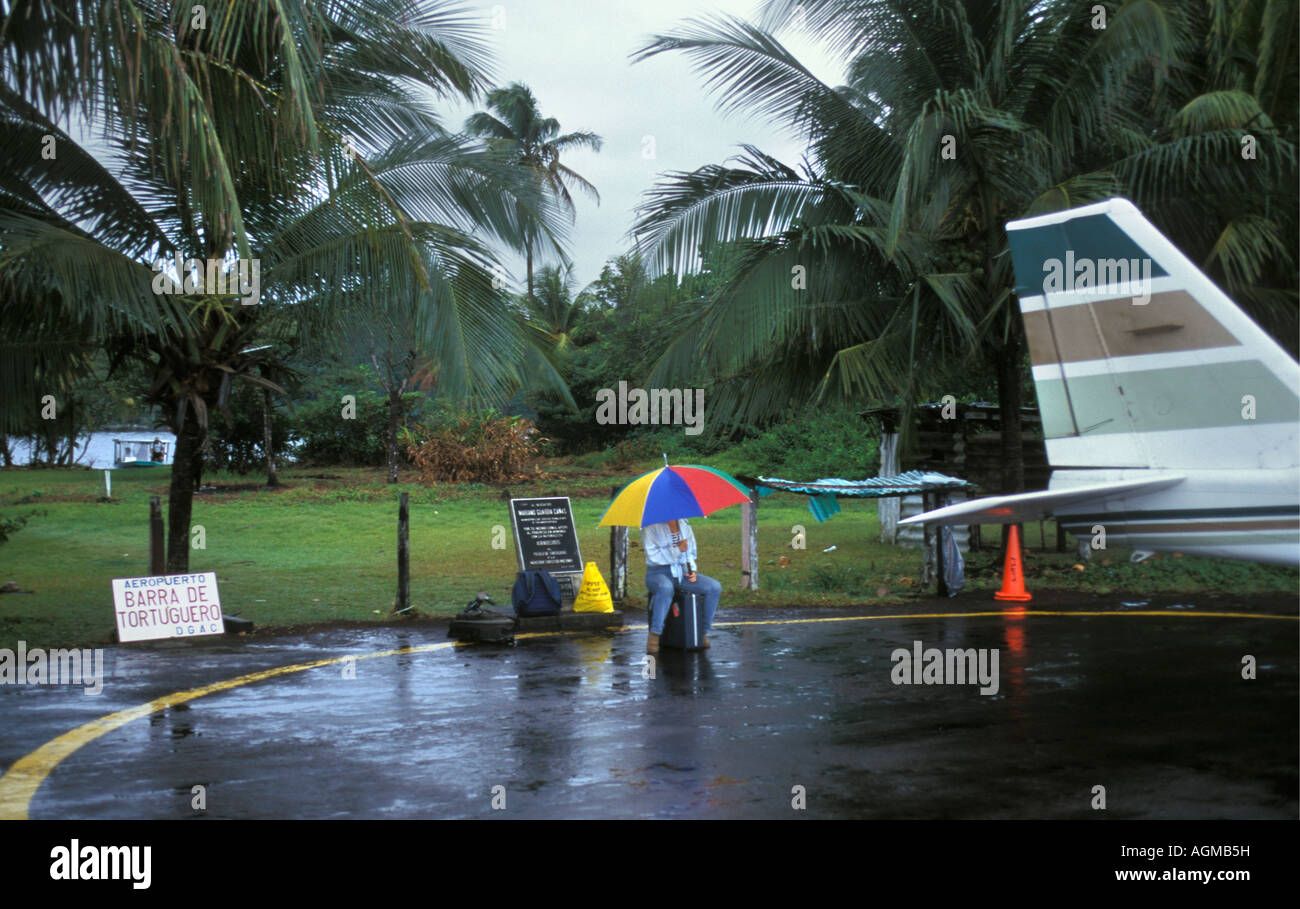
(593, 596)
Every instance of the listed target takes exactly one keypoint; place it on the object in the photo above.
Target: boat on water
(138, 453)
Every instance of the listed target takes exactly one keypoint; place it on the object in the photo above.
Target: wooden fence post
(157, 554)
(749, 542)
(888, 508)
(403, 554)
(617, 558)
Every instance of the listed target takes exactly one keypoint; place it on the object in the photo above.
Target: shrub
(830, 442)
(12, 524)
(634, 449)
(652, 444)
(482, 447)
(326, 437)
(237, 447)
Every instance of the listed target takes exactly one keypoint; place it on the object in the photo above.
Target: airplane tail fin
(1139, 359)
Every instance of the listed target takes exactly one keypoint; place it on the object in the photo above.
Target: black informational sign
(545, 535)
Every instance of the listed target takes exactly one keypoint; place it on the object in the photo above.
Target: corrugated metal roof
(912, 481)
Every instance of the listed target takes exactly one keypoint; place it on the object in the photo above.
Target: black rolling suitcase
(684, 625)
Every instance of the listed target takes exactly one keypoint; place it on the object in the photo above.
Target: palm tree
(286, 135)
(553, 306)
(957, 117)
(520, 133)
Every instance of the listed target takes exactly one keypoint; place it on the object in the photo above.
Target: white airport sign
(167, 606)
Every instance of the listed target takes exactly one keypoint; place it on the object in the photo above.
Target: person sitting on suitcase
(670, 565)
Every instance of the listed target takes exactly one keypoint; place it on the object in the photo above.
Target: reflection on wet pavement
(1153, 708)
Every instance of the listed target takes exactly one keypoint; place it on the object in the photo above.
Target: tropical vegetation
(879, 265)
(154, 150)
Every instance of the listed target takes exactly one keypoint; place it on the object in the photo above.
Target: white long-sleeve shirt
(660, 549)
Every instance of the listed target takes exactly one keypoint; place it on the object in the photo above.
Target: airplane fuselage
(1248, 514)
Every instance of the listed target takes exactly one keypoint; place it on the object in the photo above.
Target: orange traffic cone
(1013, 577)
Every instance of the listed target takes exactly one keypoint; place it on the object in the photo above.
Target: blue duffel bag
(535, 593)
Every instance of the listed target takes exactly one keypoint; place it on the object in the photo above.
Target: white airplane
(1172, 420)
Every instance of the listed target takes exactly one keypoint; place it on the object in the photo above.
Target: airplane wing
(1034, 506)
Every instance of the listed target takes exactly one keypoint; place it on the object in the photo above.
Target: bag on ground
(593, 595)
(479, 623)
(954, 569)
(535, 593)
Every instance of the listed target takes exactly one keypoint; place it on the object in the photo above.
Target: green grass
(321, 550)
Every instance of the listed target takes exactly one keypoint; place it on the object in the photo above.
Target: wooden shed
(961, 440)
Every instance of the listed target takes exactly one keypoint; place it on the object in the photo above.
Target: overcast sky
(574, 55)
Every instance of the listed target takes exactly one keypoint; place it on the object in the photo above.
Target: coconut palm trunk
(272, 478)
(394, 417)
(180, 494)
(1009, 404)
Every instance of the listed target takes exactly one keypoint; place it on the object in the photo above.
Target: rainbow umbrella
(669, 493)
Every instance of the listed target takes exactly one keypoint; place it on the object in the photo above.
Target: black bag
(478, 623)
(535, 593)
(684, 624)
(954, 569)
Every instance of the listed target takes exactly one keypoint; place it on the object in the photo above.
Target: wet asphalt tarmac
(1153, 708)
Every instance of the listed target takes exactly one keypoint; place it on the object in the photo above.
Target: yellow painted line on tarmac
(1015, 614)
(1005, 613)
(19, 784)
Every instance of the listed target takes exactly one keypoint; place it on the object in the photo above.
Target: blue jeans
(659, 582)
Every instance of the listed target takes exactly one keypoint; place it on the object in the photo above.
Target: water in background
(98, 446)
